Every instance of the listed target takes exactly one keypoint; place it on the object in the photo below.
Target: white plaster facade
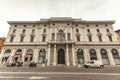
(66, 41)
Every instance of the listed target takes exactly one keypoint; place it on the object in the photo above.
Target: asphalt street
(58, 73)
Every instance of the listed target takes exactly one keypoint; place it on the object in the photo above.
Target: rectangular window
(53, 36)
(68, 35)
(110, 38)
(14, 30)
(23, 31)
(11, 39)
(90, 38)
(43, 39)
(78, 38)
(100, 38)
(32, 39)
(88, 30)
(22, 37)
(33, 30)
(107, 30)
(98, 30)
(44, 30)
(77, 30)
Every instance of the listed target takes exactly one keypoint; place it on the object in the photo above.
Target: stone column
(12, 55)
(48, 56)
(36, 55)
(73, 55)
(54, 55)
(1, 55)
(86, 55)
(99, 55)
(13, 52)
(23, 56)
(110, 56)
(67, 55)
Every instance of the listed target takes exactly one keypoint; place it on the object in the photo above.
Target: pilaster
(66, 34)
(86, 55)
(48, 60)
(67, 55)
(55, 34)
(99, 55)
(54, 55)
(36, 55)
(1, 55)
(73, 55)
(110, 56)
(12, 55)
(23, 55)
(50, 33)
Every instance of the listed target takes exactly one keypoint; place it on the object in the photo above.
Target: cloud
(36, 9)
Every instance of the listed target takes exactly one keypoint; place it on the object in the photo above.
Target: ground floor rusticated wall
(61, 54)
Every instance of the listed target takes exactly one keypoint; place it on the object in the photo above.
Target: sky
(33, 10)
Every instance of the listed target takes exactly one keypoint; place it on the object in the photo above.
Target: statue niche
(61, 35)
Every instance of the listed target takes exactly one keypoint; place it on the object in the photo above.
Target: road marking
(60, 73)
(36, 77)
(11, 77)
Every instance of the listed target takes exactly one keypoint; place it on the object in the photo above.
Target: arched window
(6, 56)
(29, 55)
(104, 56)
(42, 56)
(19, 50)
(115, 53)
(116, 56)
(93, 54)
(18, 55)
(61, 35)
(8, 51)
(80, 56)
(103, 53)
(29, 51)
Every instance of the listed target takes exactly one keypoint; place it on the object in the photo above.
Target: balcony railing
(63, 42)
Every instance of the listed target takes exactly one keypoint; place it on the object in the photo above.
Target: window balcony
(61, 41)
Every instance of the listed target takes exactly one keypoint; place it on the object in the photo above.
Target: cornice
(63, 19)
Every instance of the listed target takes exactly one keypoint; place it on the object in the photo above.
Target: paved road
(58, 76)
(58, 73)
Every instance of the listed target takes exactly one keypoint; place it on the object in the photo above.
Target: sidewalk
(59, 69)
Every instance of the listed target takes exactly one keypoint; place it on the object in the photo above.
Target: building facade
(2, 40)
(118, 34)
(61, 41)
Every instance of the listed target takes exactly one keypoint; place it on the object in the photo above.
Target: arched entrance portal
(61, 56)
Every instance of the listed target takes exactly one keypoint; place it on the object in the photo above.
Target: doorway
(61, 56)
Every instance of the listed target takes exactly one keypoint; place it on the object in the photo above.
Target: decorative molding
(12, 34)
(32, 34)
(89, 34)
(99, 34)
(109, 34)
(22, 34)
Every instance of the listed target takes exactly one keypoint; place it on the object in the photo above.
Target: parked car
(18, 64)
(94, 63)
(15, 64)
(11, 64)
(32, 64)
